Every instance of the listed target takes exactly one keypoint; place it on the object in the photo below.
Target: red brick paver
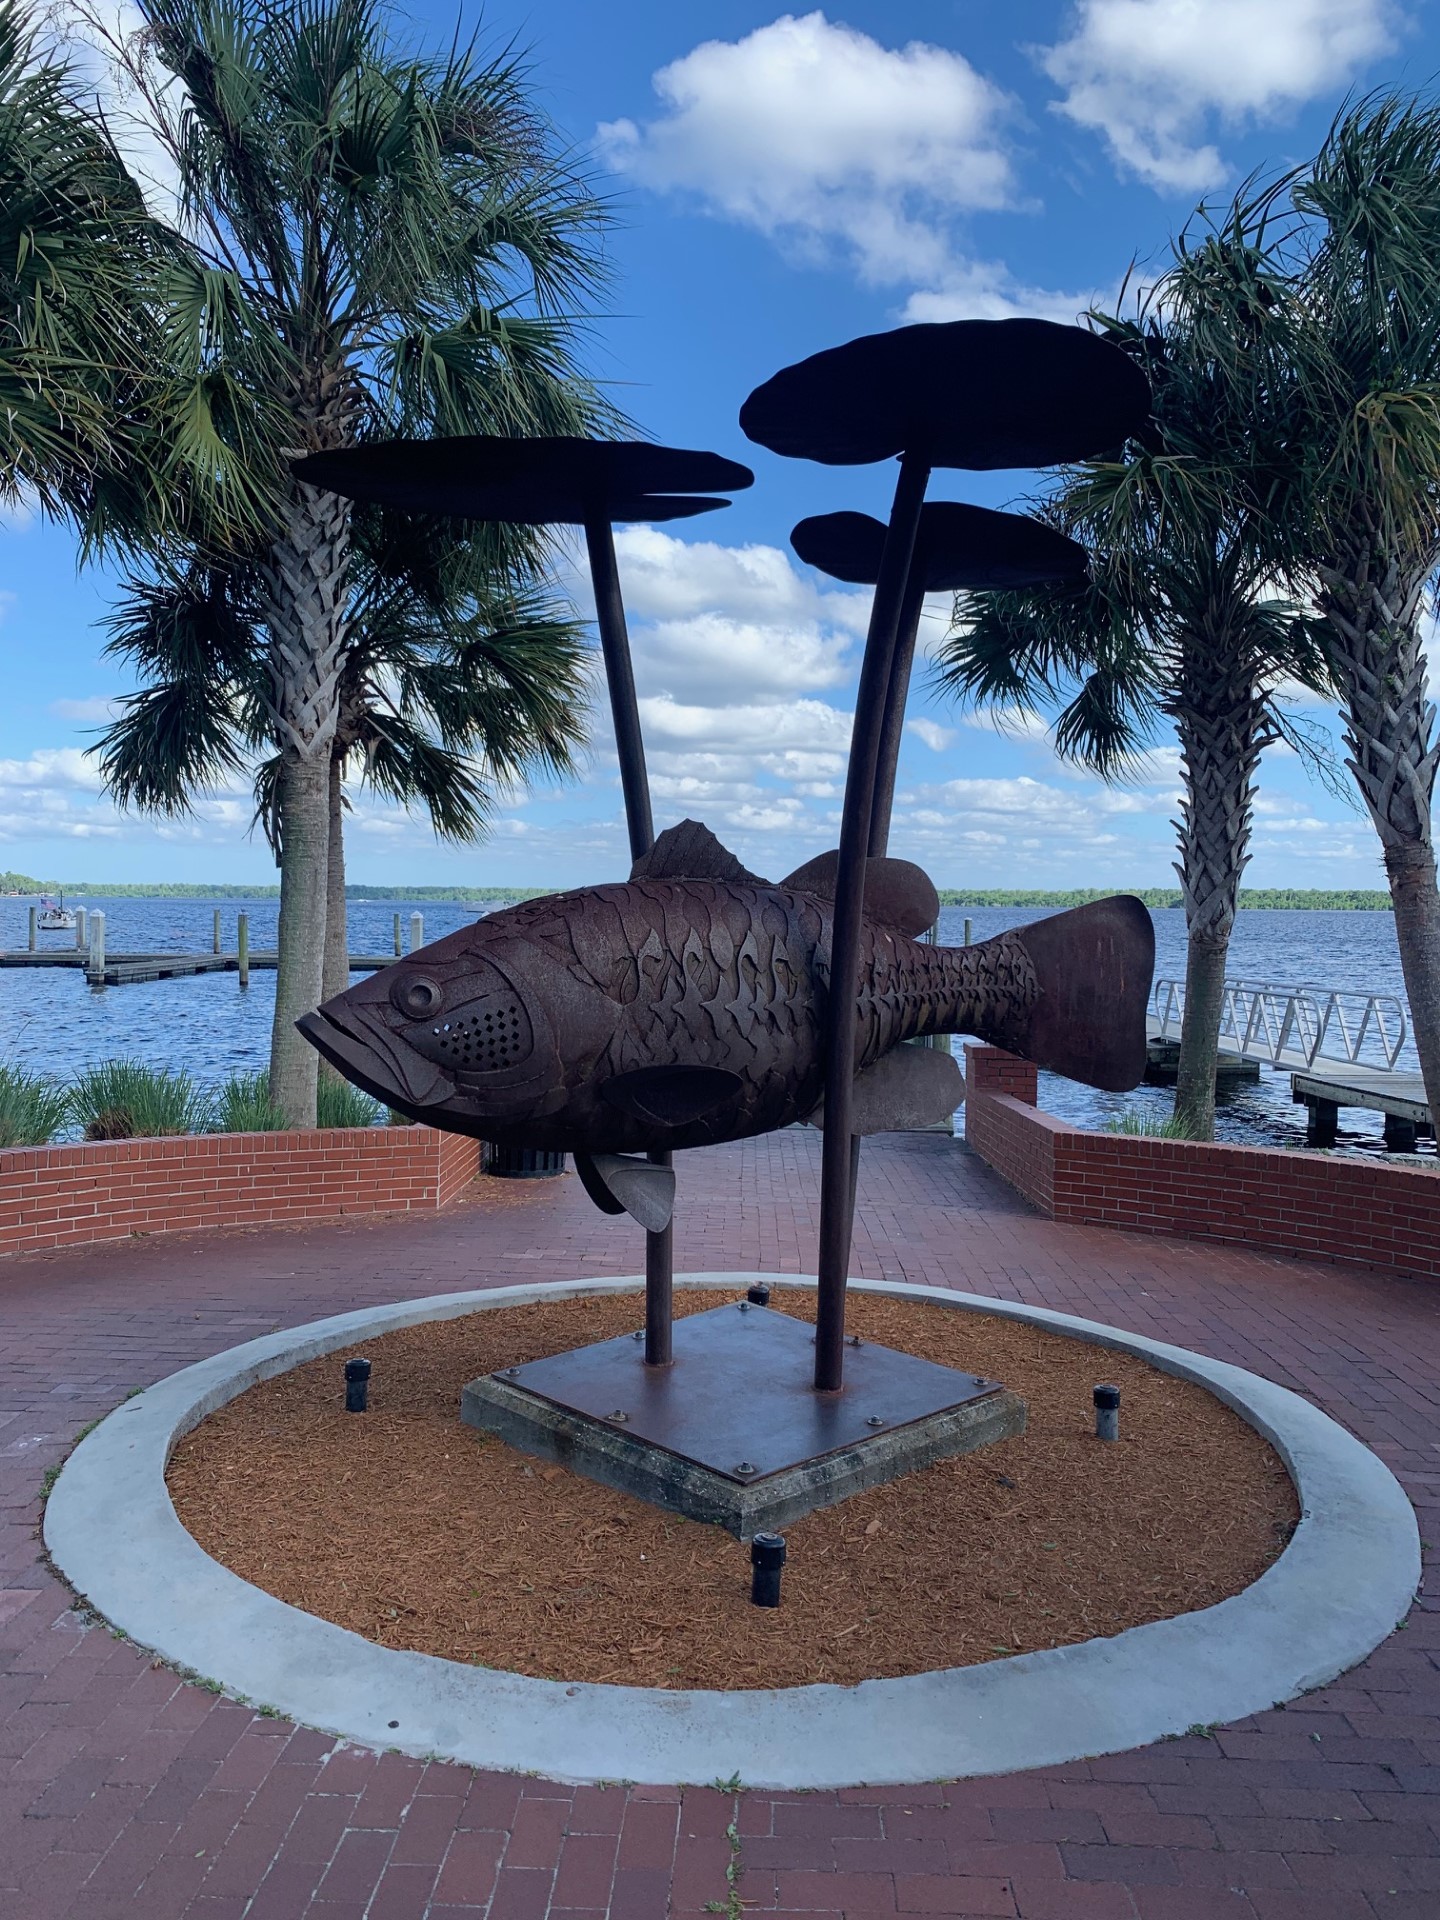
(125, 1791)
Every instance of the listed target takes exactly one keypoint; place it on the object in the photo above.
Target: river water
(51, 1021)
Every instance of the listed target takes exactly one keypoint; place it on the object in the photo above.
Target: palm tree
(454, 689)
(1174, 624)
(1361, 522)
(75, 242)
(451, 691)
(379, 241)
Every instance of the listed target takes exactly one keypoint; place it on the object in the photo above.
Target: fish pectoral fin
(897, 893)
(690, 851)
(906, 1088)
(672, 1096)
(621, 1183)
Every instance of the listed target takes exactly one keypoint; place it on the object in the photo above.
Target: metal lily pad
(956, 546)
(961, 393)
(535, 482)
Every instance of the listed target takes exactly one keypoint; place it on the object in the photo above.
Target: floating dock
(133, 969)
(1326, 1087)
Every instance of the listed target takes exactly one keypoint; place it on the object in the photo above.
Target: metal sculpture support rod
(630, 746)
(836, 1181)
(659, 1285)
(620, 675)
(893, 724)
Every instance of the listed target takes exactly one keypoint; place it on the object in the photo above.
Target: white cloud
(815, 133)
(987, 290)
(92, 32)
(836, 147)
(93, 707)
(771, 730)
(936, 737)
(1151, 75)
(52, 767)
(666, 578)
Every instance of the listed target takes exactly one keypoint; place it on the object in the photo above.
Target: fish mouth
(413, 1085)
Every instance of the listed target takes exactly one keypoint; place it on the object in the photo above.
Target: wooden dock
(1326, 1086)
(133, 969)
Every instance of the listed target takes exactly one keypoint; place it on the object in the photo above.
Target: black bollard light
(357, 1385)
(1107, 1413)
(758, 1295)
(767, 1557)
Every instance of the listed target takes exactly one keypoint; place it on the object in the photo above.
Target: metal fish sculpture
(686, 1007)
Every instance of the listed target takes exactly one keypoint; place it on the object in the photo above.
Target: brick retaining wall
(1324, 1206)
(61, 1196)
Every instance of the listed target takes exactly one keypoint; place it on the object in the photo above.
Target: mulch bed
(418, 1532)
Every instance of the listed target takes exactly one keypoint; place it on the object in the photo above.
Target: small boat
(55, 916)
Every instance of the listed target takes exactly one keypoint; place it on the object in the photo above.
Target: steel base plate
(733, 1431)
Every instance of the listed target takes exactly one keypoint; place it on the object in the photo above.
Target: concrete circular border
(1346, 1579)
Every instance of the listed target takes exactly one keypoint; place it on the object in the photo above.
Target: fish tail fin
(1068, 992)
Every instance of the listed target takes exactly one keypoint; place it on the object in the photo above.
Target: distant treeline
(186, 890)
(1343, 900)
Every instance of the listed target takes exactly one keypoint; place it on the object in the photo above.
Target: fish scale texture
(125, 1791)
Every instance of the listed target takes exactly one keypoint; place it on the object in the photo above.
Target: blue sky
(785, 181)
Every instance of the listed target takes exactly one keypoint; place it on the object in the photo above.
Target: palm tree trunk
(335, 977)
(337, 931)
(304, 574)
(1372, 604)
(1205, 962)
(304, 816)
(1220, 716)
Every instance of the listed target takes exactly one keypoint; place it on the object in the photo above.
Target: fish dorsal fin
(621, 1183)
(690, 851)
(671, 1096)
(906, 1088)
(897, 893)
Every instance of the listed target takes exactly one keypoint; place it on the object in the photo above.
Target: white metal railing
(1286, 1026)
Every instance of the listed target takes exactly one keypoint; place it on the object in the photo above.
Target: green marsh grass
(127, 1100)
(32, 1109)
(242, 1104)
(338, 1104)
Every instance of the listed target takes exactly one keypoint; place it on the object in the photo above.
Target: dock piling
(32, 929)
(95, 969)
(967, 933)
(215, 947)
(398, 948)
(417, 931)
(242, 947)
(82, 935)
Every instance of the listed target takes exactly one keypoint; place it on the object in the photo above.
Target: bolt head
(875, 1420)
(746, 1467)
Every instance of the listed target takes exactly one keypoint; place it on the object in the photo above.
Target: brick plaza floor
(124, 1791)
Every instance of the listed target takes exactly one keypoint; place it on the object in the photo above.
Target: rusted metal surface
(739, 1393)
(668, 1013)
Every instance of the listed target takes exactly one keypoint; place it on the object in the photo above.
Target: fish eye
(417, 995)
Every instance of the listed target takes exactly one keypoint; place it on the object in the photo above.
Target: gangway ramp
(1341, 1049)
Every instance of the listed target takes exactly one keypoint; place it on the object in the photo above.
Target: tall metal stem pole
(620, 674)
(630, 747)
(659, 1285)
(837, 1153)
(894, 722)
